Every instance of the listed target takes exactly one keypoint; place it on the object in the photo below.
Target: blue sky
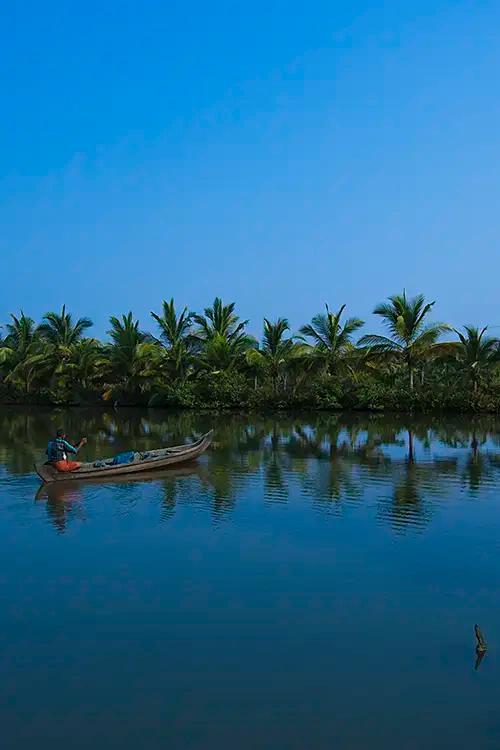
(278, 154)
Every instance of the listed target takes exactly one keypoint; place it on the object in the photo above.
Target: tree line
(209, 360)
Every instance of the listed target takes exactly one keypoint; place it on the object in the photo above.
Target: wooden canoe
(157, 459)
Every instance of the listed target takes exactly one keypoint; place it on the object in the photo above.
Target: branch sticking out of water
(481, 643)
(480, 647)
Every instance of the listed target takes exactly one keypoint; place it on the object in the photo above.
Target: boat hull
(158, 459)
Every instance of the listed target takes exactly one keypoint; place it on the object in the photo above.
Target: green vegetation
(208, 360)
(412, 340)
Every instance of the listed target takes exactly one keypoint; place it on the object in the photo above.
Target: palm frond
(379, 343)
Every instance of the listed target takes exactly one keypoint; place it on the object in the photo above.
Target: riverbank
(233, 392)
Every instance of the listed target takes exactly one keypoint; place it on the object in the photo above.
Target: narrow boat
(157, 459)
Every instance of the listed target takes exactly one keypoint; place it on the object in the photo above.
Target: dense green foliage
(208, 360)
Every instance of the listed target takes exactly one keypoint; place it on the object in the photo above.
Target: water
(312, 582)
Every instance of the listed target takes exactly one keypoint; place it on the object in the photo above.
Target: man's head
(61, 433)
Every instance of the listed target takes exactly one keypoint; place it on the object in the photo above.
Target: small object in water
(480, 647)
(479, 658)
(481, 643)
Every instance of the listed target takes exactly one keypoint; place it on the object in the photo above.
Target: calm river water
(312, 582)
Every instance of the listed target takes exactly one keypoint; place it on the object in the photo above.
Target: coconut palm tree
(128, 356)
(21, 353)
(477, 353)
(219, 354)
(59, 334)
(221, 336)
(21, 334)
(86, 363)
(125, 333)
(175, 338)
(20, 340)
(35, 369)
(411, 338)
(277, 349)
(220, 320)
(332, 346)
(59, 330)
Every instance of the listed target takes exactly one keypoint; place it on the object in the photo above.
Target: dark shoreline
(249, 412)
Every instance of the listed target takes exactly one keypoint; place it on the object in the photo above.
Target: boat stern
(45, 472)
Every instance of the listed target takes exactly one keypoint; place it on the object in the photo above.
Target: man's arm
(71, 448)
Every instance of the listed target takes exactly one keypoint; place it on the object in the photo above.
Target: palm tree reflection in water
(404, 467)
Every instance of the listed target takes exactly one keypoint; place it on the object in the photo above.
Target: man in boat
(58, 450)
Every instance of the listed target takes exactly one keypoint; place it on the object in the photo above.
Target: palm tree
(21, 334)
(332, 346)
(21, 353)
(175, 337)
(125, 333)
(477, 353)
(220, 320)
(128, 356)
(20, 340)
(59, 330)
(221, 336)
(412, 339)
(59, 334)
(86, 363)
(218, 354)
(275, 353)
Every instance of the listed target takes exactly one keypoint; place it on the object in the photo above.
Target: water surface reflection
(405, 467)
(311, 582)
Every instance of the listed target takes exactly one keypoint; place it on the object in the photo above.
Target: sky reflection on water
(312, 581)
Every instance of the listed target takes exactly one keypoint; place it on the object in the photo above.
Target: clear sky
(279, 154)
